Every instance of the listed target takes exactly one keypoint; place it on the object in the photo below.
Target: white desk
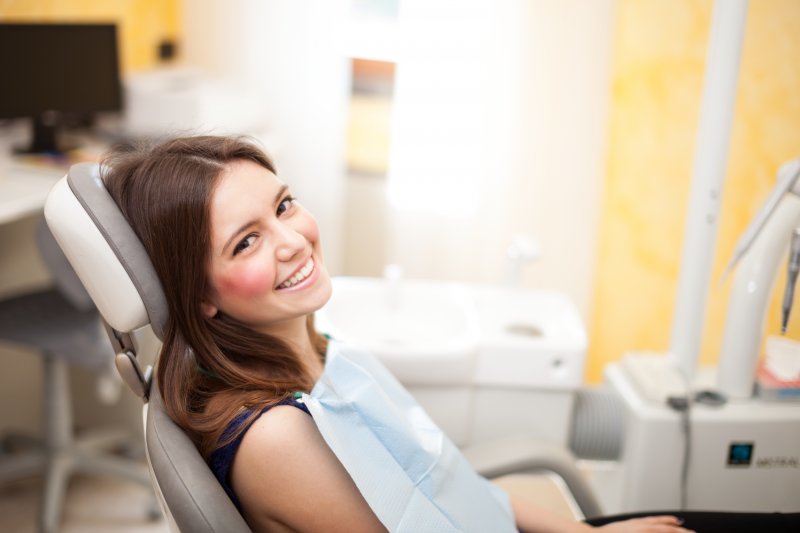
(25, 181)
(23, 189)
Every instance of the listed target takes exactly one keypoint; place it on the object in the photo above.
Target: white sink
(409, 325)
(433, 332)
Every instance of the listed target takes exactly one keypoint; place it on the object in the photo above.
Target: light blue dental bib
(411, 475)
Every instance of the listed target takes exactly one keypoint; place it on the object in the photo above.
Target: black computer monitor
(53, 70)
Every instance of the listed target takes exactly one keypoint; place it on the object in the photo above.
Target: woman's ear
(210, 310)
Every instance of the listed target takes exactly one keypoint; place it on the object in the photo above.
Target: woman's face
(266, 266)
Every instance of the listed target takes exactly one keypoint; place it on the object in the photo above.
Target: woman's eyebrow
(238, 232)
(252, 222)
(281, 192)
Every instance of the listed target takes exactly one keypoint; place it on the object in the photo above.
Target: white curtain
(499, 129)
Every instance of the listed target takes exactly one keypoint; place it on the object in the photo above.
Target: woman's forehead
(242, 193)
(242, 179)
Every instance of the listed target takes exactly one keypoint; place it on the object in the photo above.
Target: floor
(94, 505)
(102, 505)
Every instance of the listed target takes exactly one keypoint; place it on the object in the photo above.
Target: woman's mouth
(301, 274)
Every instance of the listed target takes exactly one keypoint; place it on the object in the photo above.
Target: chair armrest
(526, 455)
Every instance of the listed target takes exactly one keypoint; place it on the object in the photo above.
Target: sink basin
(410, 325)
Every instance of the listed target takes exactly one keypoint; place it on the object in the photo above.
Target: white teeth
(299, 276)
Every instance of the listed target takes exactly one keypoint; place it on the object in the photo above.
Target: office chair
(62, 324)
(117, 273)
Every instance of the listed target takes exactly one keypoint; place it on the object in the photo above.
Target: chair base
(62, 455)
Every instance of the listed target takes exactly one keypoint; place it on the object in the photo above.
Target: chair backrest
(114, 268)
(195, 500)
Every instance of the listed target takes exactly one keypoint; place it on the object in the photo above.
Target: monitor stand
(45, 139)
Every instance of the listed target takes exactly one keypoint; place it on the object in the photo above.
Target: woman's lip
(309, 280)
(302, 283)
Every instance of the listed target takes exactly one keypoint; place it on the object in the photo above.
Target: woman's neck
(295, 333)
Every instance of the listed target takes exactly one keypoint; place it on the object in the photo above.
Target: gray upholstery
(46, 321)
(196, 501)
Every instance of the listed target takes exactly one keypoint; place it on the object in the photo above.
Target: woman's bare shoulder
(284, 472)
(277, 427)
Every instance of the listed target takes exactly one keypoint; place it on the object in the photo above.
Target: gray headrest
(86, 185)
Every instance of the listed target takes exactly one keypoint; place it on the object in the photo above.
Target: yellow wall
(659, 56)
(142, 23)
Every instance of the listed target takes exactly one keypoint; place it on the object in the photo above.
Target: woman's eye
(285, 204)
(244, 244)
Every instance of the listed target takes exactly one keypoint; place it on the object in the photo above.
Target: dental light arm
(788, 175)
(761, 251)
(791, 279)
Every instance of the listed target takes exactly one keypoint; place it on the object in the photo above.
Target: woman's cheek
(246, 281)
(309, 228)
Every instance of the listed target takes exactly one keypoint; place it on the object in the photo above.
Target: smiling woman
(240, 262)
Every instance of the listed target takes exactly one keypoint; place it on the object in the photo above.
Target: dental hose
(791, 279)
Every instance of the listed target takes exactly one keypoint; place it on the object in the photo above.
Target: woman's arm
(531, 518)
(288, 479)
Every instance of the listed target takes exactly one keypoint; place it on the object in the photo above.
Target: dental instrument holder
(523, 249)
(760, 250)
(791, 278)
(393, 275)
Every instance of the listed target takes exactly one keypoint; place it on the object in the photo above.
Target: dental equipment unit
(700, 438)
(711, 442)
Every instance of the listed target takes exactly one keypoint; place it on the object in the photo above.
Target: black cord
(687, 455)
(682, 404)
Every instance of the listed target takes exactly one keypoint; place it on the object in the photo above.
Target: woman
(241, 265)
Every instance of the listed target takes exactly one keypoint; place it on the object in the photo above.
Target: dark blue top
(222, 458)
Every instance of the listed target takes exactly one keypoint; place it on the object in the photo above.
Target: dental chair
(117, 273)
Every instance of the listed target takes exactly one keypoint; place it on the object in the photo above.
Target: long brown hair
(209, 369)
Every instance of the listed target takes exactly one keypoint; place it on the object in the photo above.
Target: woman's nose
(289, 243)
